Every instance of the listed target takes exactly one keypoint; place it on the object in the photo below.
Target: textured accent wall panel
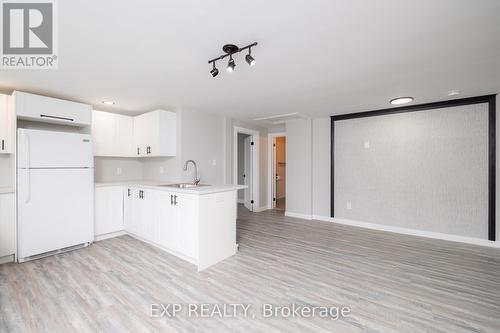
(425, 170)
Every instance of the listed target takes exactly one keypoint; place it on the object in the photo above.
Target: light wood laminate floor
(391, 282)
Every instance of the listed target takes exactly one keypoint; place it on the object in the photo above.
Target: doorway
(246, 159)
(245, 169)
(277, 171)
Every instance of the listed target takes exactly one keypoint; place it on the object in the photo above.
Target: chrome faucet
(196, 180)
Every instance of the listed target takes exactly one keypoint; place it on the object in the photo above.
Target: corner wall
(320, 166)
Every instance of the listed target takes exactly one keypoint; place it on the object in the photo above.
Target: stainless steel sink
(185, 185)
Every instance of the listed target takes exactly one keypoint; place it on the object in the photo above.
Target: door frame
(255, 162)
(271, 186)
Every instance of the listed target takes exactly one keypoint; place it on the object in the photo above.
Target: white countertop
(159, 185)
(4, 190)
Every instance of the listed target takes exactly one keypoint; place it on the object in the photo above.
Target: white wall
(425, 170)
(105, 169)
(320, 164)
(299, 167)
(200, 137)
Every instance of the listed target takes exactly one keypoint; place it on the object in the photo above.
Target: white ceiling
(314, 57)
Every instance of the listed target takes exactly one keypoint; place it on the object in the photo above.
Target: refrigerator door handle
(26, 143)
(27, 153)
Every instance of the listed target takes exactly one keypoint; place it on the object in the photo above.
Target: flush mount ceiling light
(401, 100)
(108, 102)
(231, 49)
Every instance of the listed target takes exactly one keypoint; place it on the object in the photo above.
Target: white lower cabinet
(187, 206)
(7, 224)
(167, 219)
(108, 209)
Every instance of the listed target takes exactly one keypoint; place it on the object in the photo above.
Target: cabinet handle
(3, 145)
(175, 200)
(128, 192)
(138, 151)
(141, 194)
(171, 199)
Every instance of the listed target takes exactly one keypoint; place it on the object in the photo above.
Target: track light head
(250, 60)
(214, 71)
(231, 65)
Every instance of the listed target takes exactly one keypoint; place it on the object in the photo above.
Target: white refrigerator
(55, 189)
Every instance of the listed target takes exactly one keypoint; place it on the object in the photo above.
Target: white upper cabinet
(51, 110)
(147, 135)
(7, 125)
(112, 134)
(155, 134)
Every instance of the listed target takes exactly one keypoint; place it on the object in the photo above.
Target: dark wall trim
(490, 99)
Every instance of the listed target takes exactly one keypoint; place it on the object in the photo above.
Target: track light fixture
(214, 71)
(231, 49)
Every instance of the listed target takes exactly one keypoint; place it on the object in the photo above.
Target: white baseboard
(412, 232)
(110, 235)
(241, 201)
(260, 209)
(298, 215)
(7, 259)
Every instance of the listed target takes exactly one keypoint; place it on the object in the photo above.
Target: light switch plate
(348, 205)
(214, 162)
(367, 144)
(119, 171)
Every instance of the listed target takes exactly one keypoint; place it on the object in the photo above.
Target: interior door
(55, 209)
(248, 153)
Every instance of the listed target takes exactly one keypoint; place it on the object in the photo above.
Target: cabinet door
(108, 209)
(188, 225)
(103, 133)
(7, 126)
(168, 221)
(130, 210)
(140, 132)
(124, 135)
(7, 224)
(149, 215)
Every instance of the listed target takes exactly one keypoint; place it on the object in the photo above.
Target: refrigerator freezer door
(46, 149)
(55, 209)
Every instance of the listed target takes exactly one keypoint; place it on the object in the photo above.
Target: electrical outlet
(348, 205)
(162, 170)
(118, 171)
(367, 144)
(214, 162)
